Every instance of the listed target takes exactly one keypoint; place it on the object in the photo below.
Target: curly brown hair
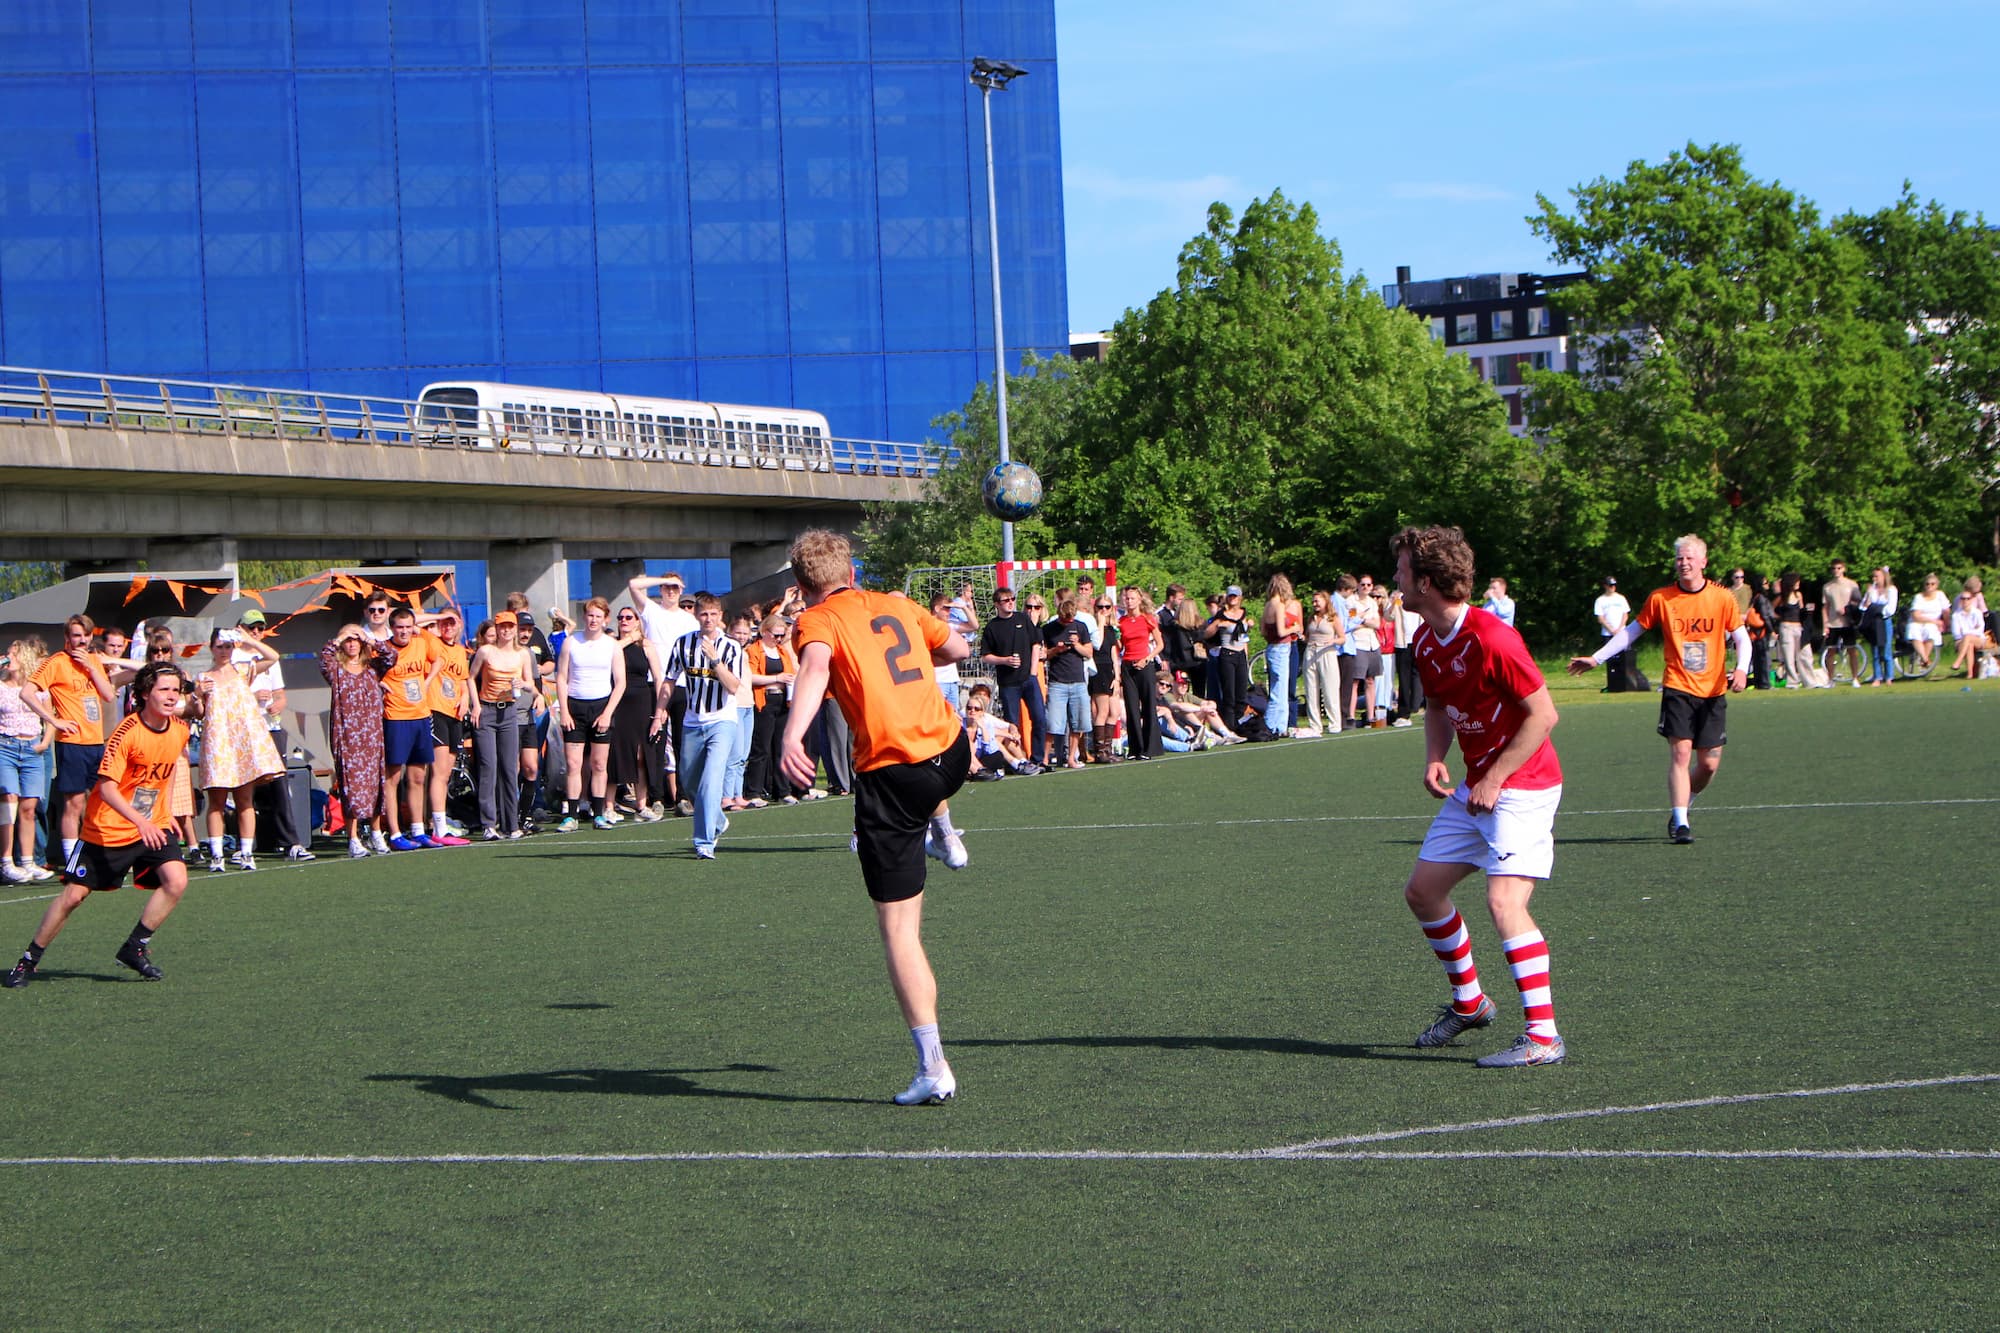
(1441, 555)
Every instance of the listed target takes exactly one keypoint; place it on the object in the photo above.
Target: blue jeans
(1278, 680)
(22, 771)
(1028, 693)
(739, 758)
(1882, 647)
(705, 751)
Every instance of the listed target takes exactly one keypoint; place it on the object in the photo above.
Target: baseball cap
(1611, 579)
(251, 617)
(1232, 591)
(525, 618)
(506, 618)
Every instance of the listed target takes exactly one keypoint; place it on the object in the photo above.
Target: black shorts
(585, 712)
(447, 732)
(76, 767)
(1847, 636)
(1684, 717)
(1100, 683)
(103, 869)
(892, 807)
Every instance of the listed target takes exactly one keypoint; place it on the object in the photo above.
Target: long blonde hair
(26, 657)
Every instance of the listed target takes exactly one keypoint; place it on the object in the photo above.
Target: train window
(455, 407)
(572, 422)
(539, 416)
(646, 429)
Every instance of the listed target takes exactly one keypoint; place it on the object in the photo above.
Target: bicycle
(1841, 664)
(1911, 667)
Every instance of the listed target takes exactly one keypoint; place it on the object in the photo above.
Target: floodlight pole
(989, 75)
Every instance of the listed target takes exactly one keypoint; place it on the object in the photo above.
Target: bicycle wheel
(1843, 664)
(1910, 666)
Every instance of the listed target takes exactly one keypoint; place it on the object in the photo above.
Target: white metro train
(576, 421)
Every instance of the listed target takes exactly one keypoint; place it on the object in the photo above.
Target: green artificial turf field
(587, 1081)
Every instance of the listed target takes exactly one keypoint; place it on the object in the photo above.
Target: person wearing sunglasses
(1011, 644)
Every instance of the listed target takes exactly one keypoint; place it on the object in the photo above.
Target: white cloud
(1194, 193)
(1456, 192)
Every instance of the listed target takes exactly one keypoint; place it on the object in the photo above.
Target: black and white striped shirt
(708, 699)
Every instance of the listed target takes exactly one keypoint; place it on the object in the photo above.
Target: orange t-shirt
(407, 698)
(882, 675)
(73, 698)
(448, 691)
(142, 762)
(1695, 625)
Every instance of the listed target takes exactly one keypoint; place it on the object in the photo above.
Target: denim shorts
(22, 771)
(1069, 708)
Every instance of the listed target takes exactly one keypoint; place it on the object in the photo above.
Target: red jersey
(1479, 676)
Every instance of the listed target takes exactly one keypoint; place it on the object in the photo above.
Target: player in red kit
(1485, 691)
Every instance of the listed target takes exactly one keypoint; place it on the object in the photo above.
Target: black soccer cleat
(1679, 834)
(22, 973)
(135, 956)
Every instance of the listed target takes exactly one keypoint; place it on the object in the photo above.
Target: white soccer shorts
(1516, 837)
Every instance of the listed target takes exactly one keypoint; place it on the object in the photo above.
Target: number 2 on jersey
(892, 655)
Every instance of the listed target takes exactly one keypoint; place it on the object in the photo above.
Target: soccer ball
(1011, 492)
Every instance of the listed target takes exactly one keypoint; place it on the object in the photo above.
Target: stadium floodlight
(988, 75)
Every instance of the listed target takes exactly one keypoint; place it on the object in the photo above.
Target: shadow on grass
(682, 853)
(581, 1004)
(475, 1090)
(43, 974)
(1255, 1045)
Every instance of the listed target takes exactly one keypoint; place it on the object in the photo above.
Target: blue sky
(1421, 132)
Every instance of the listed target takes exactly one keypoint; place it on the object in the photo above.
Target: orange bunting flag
(253, 595)
(179, 591)
(139, 582)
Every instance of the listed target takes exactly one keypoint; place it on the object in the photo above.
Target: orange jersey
(1695, 624)
(448, 691)
(142, 762)
(408, 699)
(881, 674)
(74, 698)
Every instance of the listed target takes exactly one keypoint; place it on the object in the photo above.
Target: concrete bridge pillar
(609, 577)
(535, 568)
(758, 571)
(192, 553)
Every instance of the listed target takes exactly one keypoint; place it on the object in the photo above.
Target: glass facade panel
(822, 30)
(138, 34)
(926, 385)
(736, 211)
(445, 175)
(1013, 30)
(833, 286)
(728, 32)
(914, 30)
(352, 246)
(639, 178)
(44, 37)
(249, 220)
(51, 297)
(548, 262)
(351, 35)
(150, 196)
(923, 182)
(242, 34)
(447, 33)
(537, 32)
(850, 390)
(633, 32)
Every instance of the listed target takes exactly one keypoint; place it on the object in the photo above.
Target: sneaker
(135, 956)
(950, 850)
(602, 822)
(704, 853)
(379, 842)
(790, 800)
(452, 830)
(23, 973)
(489, 834)
(217, 866)
(1450, 1023)
(1679, 834)
(1525, 1051)
(40, 873)
(298, 853)
(515, 836)
(815, 794)
(243, 861)
(755, 803)
(528, 825)
(685, 809)
(423, 840)
(14, 874)
(649, 816)
(451, 840)
(568, 824)
(1400, 722)
(357, 850)
(854, 842)
(402, 843)
(612, 818)
(929, 1089)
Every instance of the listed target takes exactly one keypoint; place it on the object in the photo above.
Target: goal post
(1023, 576)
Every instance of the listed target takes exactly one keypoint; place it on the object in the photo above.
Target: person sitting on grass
(1199, 715)
(996, 742)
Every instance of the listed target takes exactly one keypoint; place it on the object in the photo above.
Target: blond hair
(822, 560)
(27, 656)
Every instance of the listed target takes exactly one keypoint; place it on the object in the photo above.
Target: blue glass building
(756, 201)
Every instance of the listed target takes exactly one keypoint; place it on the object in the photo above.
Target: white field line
(1322, 1150)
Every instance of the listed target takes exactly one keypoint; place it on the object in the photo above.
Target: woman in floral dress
(353, 668)
(237, 752)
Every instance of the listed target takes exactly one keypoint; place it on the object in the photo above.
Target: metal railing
(190, 407)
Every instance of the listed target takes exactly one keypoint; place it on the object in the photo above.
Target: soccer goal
(978, 583)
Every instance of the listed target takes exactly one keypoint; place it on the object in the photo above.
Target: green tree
(1733, 384)
(950, 525)
(1267, 413)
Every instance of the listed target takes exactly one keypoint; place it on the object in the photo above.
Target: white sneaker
(950, 850)
(357, 850)
(929, 1089)
(854, 842)
(489, 834)
(14, 874)
(39, 873)
(298, 853)
(378, 843)
(243, 861)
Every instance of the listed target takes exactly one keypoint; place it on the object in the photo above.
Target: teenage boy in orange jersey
(1694, 616)
(874, 653)
(127, 820)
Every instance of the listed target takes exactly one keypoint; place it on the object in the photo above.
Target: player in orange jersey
(875, 654)
(126, 824)
(1694, 616)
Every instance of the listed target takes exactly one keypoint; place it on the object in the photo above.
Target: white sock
(215, 849)
(930, 1050)
(437, 826)
(941, 825)
(1680, 814)
(68, 846)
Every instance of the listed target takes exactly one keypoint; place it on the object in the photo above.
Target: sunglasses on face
(1037, 606)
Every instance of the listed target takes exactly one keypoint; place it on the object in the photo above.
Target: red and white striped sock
(1528, 959)
(1452, 943)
